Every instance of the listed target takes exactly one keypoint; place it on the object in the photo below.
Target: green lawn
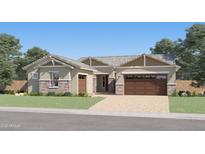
(187, 104)
(49, 101)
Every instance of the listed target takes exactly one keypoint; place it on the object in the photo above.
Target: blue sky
(75, 40)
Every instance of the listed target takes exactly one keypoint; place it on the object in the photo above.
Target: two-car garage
(145, 84)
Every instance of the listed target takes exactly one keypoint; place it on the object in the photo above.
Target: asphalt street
(23, 121)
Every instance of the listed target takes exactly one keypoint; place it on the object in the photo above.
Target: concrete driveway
(133, 103)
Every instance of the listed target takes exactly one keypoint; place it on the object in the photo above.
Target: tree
(9, 47)
(195, 41)
(195, 38)
(164, 46)
(189, 53)
(7, 71)
(30, 56)
(20, 63)
(35, 53)
(199, 70)
(9, 50)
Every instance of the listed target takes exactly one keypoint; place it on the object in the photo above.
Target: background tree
(195, 38)
(164, 46)
(190, 53)
(9, 47)
(7, 72)
(9, 50)
(20, 63)
(195, 41)
(35, 53)
(30, 56)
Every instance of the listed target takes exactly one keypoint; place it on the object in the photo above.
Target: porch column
(111, 85)
(94, 84)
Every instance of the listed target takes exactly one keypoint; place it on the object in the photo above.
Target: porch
(104, 84)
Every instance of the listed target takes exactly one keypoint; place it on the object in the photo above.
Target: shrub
(51, 94)
(67, 94)
(200, 94)
(180, 92)
(35, 94)
(83, 94)
(194, 93)
(20, 91)
(175, 93)
(11, 92)
(59, 94)
(188, 93)
(1, 92)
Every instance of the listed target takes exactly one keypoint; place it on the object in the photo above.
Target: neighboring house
(122, 75)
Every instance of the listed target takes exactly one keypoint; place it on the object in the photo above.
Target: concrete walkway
(118, 103)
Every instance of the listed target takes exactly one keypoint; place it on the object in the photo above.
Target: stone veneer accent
(171, 88)
(64, 86)
(119, 89)
(94, 85)
(111, 85)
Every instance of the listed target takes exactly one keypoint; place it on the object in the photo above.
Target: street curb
(106, 113)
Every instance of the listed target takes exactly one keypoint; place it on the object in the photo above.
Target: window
(161, 77)
(54, 76)
(146, 76)
(34, 75)
(82, 76)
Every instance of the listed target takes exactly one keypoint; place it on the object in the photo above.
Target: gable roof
(117, 61)
(66, 60)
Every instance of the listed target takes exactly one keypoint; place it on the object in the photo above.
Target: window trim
(50, 82)
(32, 75)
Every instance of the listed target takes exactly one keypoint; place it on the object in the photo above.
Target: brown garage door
(145, 85)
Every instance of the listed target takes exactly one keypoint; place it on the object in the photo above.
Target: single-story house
(122, 75)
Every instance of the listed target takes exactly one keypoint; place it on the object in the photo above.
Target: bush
(188, 93)
(194, 93)
(51, 94)
(1, 92)
(20, 91)
(83, 94)
(181, 92)
(67, 94)
(35, 94)
(175, 93)
(58, 94)
(11, 92)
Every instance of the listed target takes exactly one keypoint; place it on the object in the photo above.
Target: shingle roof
(116, 61)
(69, 61)
(73, 62)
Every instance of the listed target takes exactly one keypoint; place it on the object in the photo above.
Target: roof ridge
(114, 56)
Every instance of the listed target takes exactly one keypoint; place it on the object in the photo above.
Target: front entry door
(82, 83)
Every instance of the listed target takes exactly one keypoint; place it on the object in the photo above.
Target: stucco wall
(108, 70)
(33, 84)
(65, 73)
(89, 80)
